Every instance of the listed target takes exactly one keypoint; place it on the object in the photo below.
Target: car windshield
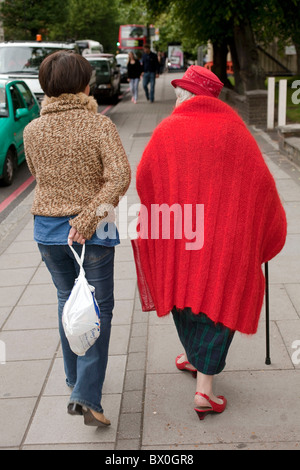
(17, 59)
(101, 66)
(3, 103)
(122, 61)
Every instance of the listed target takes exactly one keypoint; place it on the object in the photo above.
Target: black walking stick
(268, 359)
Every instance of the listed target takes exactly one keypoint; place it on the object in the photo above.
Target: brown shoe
(92, 418)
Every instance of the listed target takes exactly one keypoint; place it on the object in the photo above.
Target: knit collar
(202, 104)
(67, 102)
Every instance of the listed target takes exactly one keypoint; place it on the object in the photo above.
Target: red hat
(199, 81)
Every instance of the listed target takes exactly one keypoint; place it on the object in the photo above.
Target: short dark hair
(64, 72)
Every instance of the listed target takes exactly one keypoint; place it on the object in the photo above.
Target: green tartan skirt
(206, 344)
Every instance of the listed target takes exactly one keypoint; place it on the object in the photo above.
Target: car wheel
(9, 169)
(115, 98)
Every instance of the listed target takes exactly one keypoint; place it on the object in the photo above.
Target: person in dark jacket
(134, 69)
(150, 71)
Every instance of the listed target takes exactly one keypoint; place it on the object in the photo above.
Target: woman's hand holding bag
(81, 314)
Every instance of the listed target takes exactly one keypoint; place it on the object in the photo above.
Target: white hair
(183, 95)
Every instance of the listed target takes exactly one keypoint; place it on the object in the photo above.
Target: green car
(18, 106)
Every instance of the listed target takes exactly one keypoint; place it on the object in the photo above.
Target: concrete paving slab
(290, 332)
(125, 269)
(23, 246)
(19, 260)
(281, 306)
(26, 345)
(292, 210)
(289, 190)
(249, 352)
(119, 340)
(71, 430)
(9, 296)
(124, 289)
(41, 276)
(16, 277)
(4, 313)
(293, 291)
(12, 432)
(122, 313)
(70, 447)
(14, 381)
(226, 447)
(32, 317)
(258, 410)
(41, 294)
(284, 269)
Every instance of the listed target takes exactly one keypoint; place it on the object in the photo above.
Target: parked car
(21, 60)
(88, 46)
(18, 106)
(122, 60)
(108, 76)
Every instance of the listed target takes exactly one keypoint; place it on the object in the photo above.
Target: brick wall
(252, 106)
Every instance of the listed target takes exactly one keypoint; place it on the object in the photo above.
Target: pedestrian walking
(134, 74)
(150, 72)
(220, 218)
(162, 62)
(79, 163)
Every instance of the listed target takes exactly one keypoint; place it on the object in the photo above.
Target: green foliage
(23, 19)
(62, 20)
(133, 12)
(192, 22)
(94, 19)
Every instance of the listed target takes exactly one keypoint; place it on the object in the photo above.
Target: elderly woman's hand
(75, 236)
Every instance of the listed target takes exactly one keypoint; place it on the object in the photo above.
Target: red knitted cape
(203, 154)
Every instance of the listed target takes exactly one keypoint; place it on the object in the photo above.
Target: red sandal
(214, 407)
(183, 366)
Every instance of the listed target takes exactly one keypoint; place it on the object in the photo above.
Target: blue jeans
(134, 87)
(85, 375)
(149, 77)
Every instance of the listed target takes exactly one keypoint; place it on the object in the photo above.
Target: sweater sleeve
(27, 149)
(117, 177)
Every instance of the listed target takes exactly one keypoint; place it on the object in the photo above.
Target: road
(10, 196)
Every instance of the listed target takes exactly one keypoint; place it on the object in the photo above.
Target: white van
(88, 46)
(21, 60)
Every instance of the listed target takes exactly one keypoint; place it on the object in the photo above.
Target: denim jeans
(149, 77)
(134, 87)
(85, 375)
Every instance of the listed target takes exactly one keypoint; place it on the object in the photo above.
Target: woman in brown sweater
(81, 169)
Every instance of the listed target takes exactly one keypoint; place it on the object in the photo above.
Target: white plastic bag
(81, 314)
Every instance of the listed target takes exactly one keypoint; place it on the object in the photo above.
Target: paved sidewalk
(149, 402)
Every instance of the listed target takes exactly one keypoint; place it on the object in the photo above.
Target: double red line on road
(15, 194)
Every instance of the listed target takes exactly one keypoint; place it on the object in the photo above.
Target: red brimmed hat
(199, 81)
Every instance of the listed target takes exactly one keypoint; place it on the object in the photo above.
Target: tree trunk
(297, 46)
(251, 73)
(238, 84)
(220, 62)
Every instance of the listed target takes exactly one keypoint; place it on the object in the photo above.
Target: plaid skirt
(206, 343)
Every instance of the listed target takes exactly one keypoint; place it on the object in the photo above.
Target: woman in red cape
(210, 217)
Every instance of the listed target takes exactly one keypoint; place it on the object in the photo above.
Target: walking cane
(268, 359)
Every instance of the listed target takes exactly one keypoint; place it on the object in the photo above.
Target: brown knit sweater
(78, 160)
